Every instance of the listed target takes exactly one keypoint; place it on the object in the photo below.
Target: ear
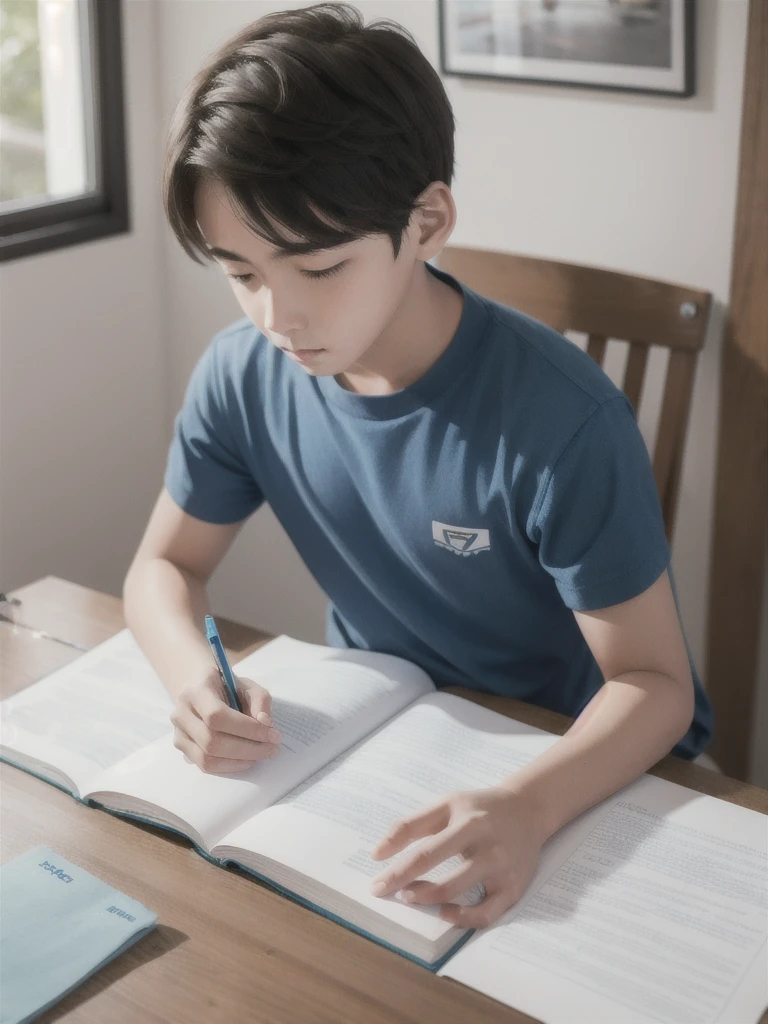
(435, 220)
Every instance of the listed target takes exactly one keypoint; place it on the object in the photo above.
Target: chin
(316, 371)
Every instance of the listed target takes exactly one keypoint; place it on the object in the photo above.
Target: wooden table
(226, 949)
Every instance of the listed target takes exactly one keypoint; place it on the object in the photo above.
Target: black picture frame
(684, 10)
(40, 228)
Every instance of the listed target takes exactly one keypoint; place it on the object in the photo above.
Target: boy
(466, 485)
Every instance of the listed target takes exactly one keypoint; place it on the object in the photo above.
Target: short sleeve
(207, 473)
(599, 526)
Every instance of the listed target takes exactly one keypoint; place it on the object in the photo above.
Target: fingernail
(264, 718)
(274, 736)
(408, 895)
(378, 888)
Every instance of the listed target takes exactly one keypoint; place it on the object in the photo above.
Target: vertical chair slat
(635, 373)
(596, 347)
(668, 457)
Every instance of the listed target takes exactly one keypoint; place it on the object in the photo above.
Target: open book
(650, 907)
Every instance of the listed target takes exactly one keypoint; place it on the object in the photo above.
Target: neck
(413, 340)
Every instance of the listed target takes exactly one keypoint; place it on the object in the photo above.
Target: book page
(90, 714)
(658, 913)
(327, 827)
(323, 701)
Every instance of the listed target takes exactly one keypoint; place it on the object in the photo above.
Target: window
(62, 141)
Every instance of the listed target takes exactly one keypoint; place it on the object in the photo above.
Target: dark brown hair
(315, 121)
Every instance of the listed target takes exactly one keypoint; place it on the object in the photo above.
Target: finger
(429, 855)
(220, 717)
(449, 889)
(221, 744)
(426, 823)
(206, 763)
(255, 701)
(481, 916)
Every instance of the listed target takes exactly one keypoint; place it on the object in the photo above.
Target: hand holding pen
(223, 723)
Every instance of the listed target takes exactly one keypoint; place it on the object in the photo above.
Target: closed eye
(325, 273)
(328, 272)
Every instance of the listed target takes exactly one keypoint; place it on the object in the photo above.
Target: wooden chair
(604, 304)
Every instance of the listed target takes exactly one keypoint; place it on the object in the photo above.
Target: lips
(303, 353)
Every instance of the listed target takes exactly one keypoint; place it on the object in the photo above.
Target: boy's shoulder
(545, 360)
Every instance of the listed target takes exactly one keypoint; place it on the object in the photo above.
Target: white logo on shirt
(461, 540)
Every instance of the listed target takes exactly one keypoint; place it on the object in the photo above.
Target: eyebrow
(300, 249)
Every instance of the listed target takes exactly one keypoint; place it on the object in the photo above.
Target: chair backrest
(603, 305)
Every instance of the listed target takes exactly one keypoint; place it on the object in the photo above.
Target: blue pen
(213, 638)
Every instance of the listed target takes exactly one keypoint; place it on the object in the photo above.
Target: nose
(281, 317)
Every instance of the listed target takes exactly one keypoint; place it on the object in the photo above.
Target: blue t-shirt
(455, 522)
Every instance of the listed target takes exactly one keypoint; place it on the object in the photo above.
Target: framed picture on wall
(632, 45)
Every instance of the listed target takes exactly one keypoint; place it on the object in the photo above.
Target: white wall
(84, 375)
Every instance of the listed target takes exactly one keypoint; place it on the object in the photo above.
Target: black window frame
(53, 225)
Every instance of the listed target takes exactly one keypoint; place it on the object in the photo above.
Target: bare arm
(165, 605)
(644, 708)
(164, 591)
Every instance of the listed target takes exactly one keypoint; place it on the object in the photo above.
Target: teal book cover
(58, 925)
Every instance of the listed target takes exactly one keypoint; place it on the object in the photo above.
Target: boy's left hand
(497, 833)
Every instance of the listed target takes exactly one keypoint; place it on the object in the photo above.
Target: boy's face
(328, 324)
